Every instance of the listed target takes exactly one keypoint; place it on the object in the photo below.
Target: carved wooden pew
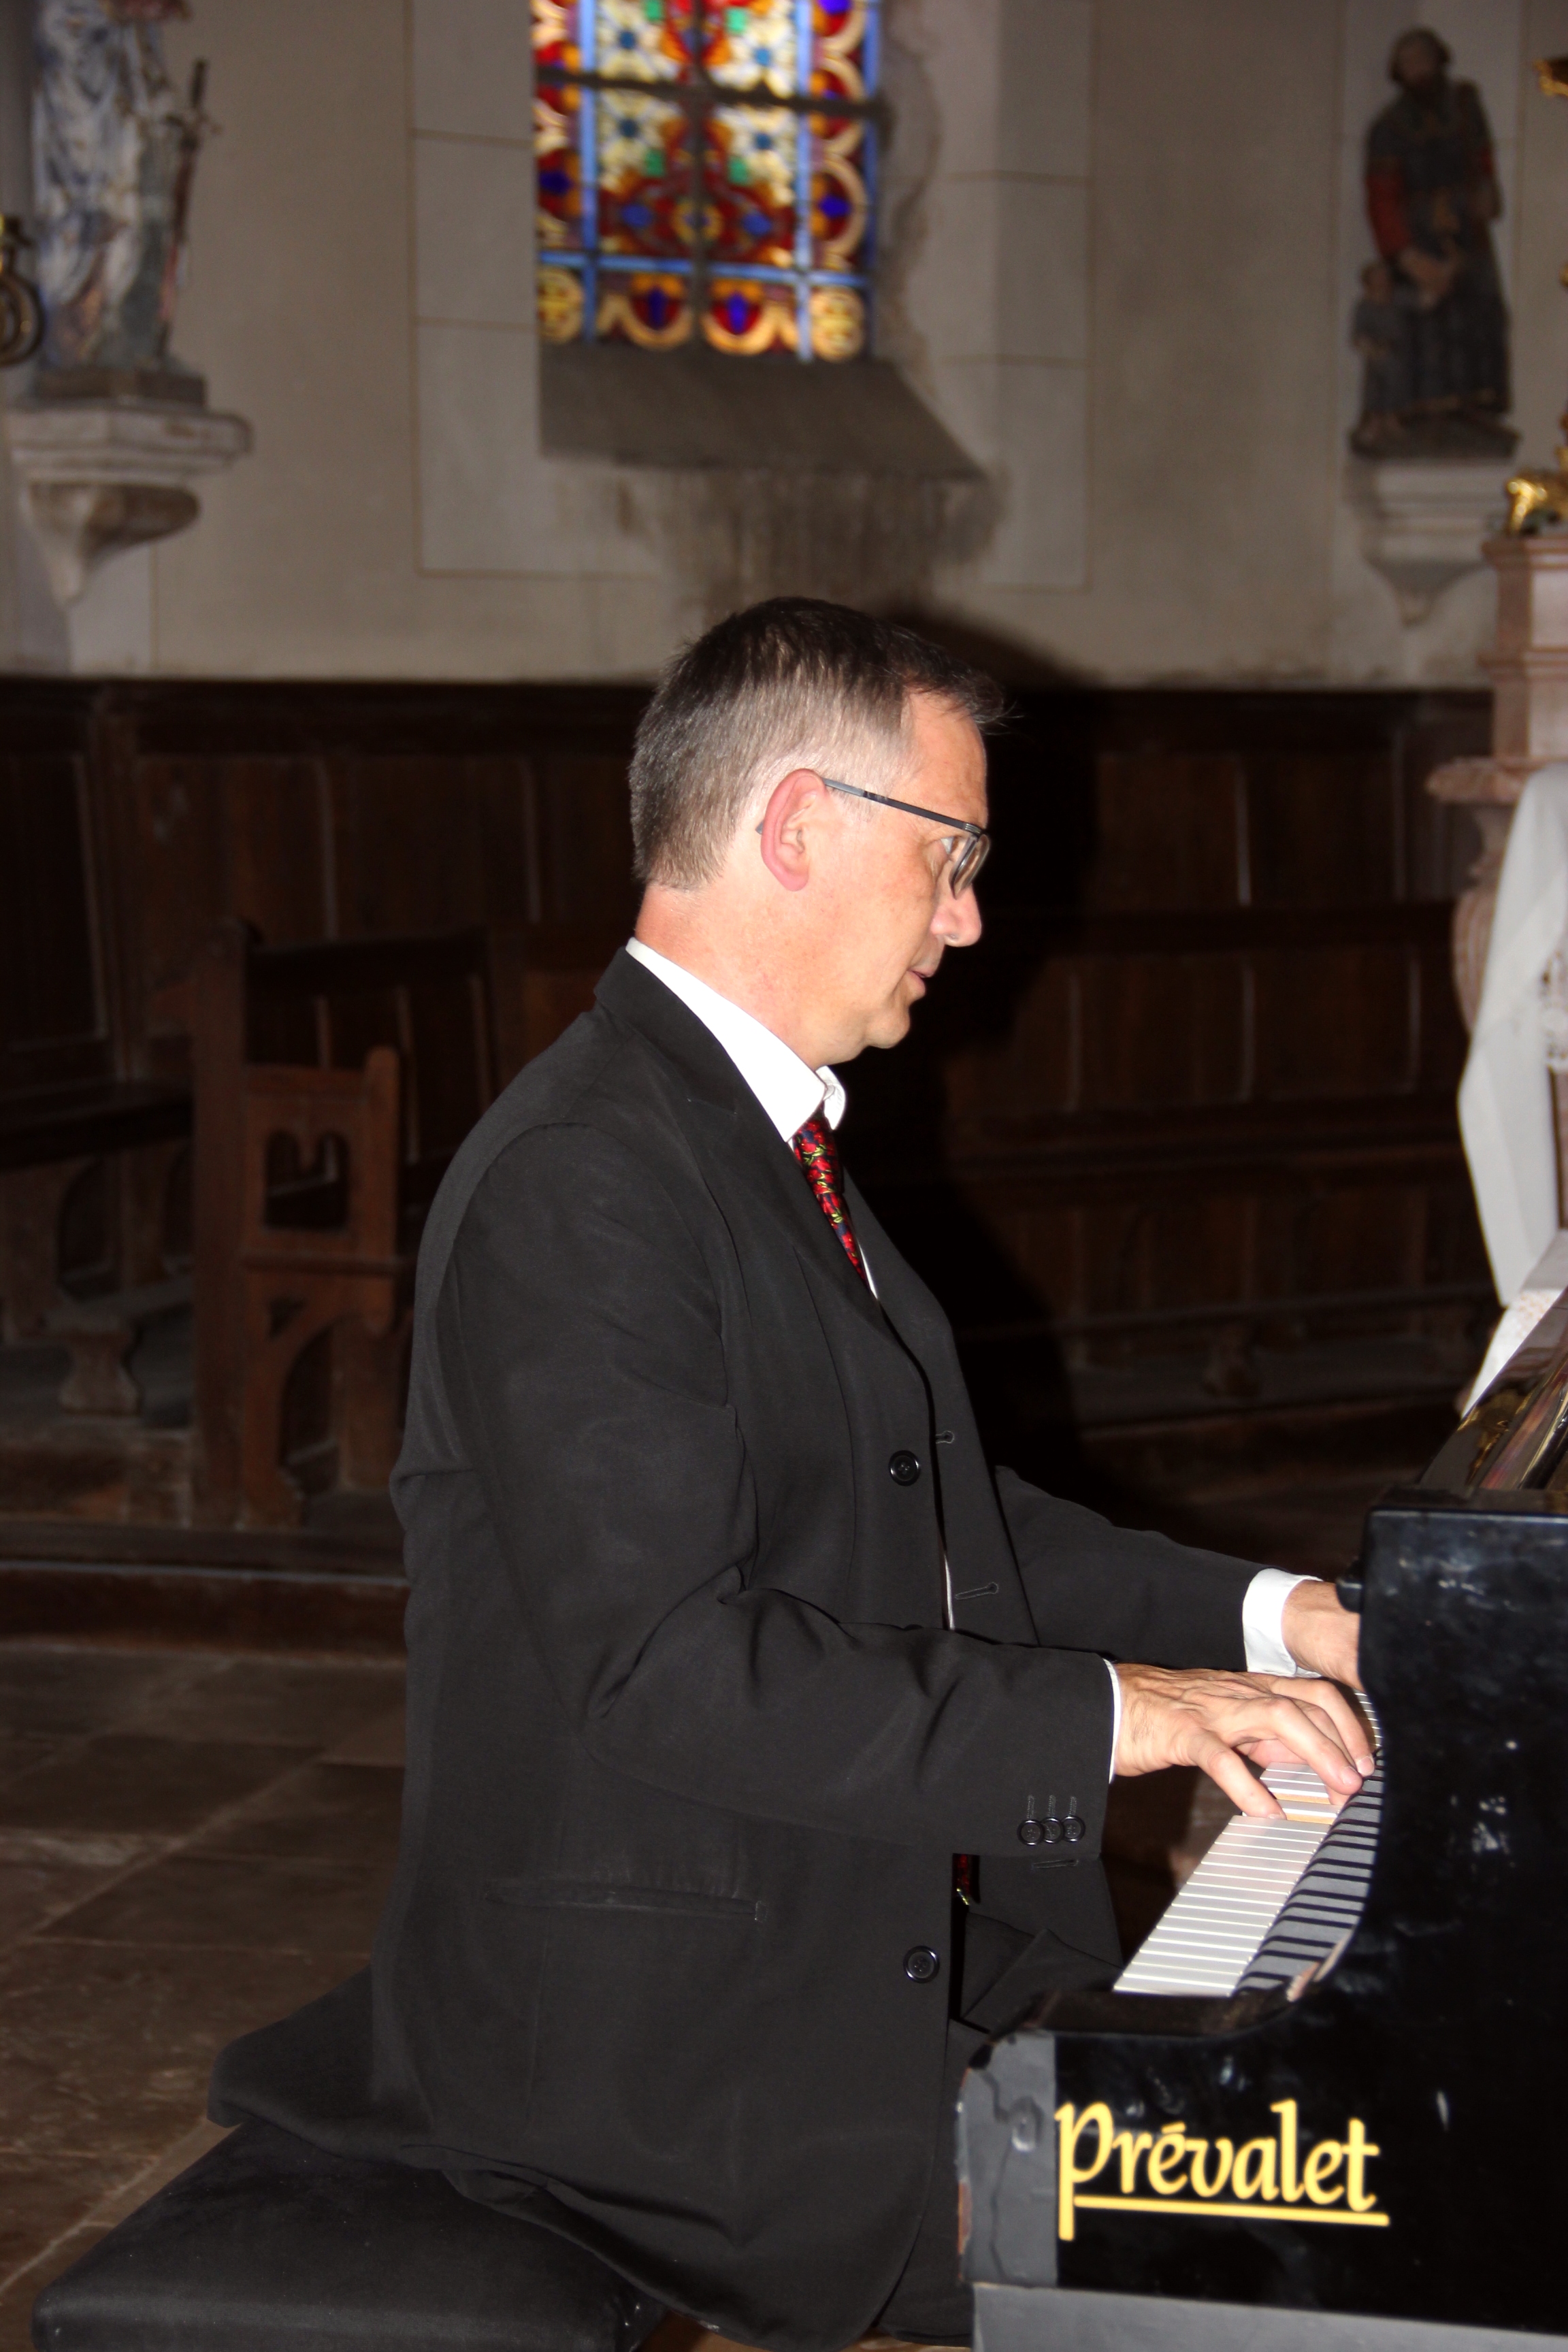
(334, 1082)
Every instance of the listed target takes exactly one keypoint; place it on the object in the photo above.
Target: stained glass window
(707, 168)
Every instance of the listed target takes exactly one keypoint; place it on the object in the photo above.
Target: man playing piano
(727, 1648)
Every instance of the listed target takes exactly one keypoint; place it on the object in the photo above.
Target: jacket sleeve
(1124, 1592)
(578, 1341)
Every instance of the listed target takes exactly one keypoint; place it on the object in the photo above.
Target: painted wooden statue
(113, 149)
(1432, 327)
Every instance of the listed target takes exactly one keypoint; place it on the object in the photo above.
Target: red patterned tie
(818, 1155)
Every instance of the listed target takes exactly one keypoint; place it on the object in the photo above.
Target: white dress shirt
(791, 1092)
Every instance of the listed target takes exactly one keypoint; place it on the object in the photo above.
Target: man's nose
(957, 922)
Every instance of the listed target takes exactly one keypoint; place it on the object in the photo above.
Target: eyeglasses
(963, 864)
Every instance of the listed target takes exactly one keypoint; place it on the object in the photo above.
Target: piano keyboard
(1269, 1898)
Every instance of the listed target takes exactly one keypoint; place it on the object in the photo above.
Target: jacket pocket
(548, 1894)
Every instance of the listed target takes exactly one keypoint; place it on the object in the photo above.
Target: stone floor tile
(35, 1888)
(46, 2248)
(280, 1702)
(243, 1902)
(43, 2196)
(380, 1741)
(105, 2049)
(323, 1812)
(55, 1690)
(17, 2292)
(146, 2180)
(128, 1780)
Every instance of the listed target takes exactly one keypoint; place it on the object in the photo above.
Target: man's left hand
(1322, 1634)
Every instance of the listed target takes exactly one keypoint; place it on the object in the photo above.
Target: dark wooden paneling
(1170, 831)
(429, 844)
(1198, 1077)
(53, 1024)
(1201, 1066)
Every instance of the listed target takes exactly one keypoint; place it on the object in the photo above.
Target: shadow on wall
(1042, 793)
(757, 476)
(1174, 1143)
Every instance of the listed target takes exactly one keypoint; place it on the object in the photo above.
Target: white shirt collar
(789, 1091)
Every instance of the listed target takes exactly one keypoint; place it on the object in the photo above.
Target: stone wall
(1123, 242)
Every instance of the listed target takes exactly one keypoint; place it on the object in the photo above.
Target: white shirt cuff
(1262, 1634)
(1263, 1621)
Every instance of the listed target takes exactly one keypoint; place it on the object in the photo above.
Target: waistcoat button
(921, 1964)
(904, 1468)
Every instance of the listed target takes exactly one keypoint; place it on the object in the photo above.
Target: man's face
(891, 912)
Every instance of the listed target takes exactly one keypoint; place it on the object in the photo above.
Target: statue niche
(1431, 325)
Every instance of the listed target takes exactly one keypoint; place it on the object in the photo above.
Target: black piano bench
(268, 2244)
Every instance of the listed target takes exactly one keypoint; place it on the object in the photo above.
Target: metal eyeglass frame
(967, 866)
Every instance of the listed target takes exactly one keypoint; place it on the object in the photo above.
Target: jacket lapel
(732, 1120)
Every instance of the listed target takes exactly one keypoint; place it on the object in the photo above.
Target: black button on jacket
(689, 1748)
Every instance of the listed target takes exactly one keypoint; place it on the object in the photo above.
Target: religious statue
(114, 152)
(1431, 326)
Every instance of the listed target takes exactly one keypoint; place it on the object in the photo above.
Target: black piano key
(1320, 1913)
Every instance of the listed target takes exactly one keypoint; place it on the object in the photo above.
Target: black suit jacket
(691, 1747)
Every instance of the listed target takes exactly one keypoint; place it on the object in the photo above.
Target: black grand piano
(1365, 2143)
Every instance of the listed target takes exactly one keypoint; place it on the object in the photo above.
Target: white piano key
(1211, 1937)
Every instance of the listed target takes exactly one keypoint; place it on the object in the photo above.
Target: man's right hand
(1221, 1722)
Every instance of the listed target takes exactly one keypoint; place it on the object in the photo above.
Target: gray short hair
(791, 683)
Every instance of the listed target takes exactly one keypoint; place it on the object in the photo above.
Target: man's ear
(785, 829)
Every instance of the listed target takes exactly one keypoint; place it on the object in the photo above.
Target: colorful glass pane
(558, 175)
(747, 315)
(641, 40)
(645, 174)
(649, 308)
(840, 200)
(842, 57)
(707, 168)
(752, 45)
(750, 168)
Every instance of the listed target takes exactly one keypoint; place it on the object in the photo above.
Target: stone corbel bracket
(1423, 523)
(99, 477)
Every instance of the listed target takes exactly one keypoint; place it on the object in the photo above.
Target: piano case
(1369, 2156)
